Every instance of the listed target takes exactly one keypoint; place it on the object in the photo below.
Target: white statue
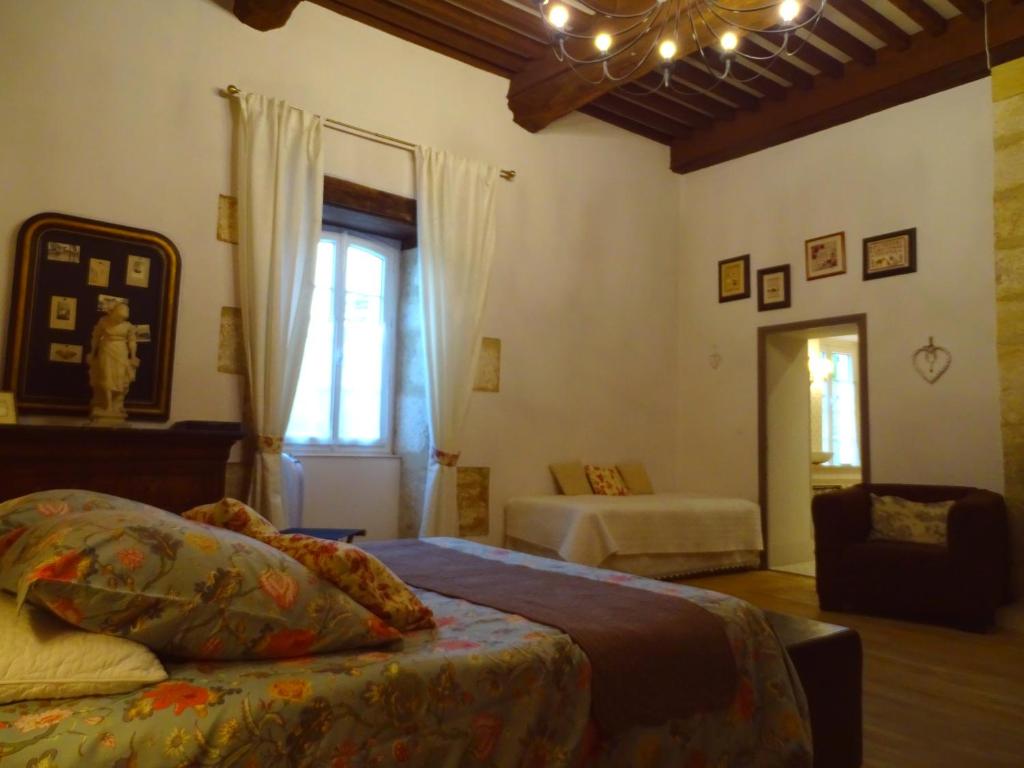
(112, 364)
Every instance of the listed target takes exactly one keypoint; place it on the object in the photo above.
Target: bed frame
(174, 469)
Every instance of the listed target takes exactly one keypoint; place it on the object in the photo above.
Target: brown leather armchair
(961, 583)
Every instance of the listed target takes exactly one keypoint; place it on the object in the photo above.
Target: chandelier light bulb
(667, 49)
(558, 16)
(603, 42)
(729, 41)
(789, 10)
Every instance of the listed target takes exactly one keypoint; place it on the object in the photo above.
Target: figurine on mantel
(112, 365)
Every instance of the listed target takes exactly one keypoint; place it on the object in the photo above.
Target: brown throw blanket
(654, 657)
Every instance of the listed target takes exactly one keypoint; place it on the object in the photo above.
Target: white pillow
(41, 657)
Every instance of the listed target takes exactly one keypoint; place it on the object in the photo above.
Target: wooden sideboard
(174, 469)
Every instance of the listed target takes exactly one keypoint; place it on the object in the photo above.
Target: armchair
(961, 583)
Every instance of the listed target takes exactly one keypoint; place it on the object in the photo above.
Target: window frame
(391, 252)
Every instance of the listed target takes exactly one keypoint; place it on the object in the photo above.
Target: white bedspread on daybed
(653, 534)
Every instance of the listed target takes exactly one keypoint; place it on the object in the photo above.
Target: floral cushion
(359, 574)
(182, 588)
(899, 519)
(24, 511)
(606, 481)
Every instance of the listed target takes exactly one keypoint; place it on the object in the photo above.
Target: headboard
(174, 469)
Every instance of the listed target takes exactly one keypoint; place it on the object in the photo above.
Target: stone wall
(1008, 133)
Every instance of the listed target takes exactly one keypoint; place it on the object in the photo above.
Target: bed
(484, 688)
(655, 535)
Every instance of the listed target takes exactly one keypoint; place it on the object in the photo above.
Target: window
(839, 422)
(344, 395)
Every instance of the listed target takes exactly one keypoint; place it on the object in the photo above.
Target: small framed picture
(894, 253)
(137, 272)
(63, 311)
(99, 273)
(773, 288)
(734, 279)
(66, 353)
(8, 411)
(826, 256)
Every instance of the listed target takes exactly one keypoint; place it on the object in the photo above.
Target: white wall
(111, 111)
(927, 164)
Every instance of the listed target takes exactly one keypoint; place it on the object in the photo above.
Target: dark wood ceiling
(864, 56)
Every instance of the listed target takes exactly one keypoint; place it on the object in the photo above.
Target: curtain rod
(363, 133)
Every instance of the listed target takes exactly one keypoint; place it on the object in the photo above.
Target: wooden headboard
(174, 469)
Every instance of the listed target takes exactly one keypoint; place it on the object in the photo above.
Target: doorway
(812, 428)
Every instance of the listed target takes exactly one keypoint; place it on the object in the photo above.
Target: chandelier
(605, 45)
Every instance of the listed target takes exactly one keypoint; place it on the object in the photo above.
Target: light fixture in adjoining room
(602, 44)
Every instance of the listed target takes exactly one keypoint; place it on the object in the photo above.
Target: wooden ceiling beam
(818, 59)
(718, 110)
(933, 22)
(778, 65)
(626, 125)
(839, 38)
(264, 15)
(515, 18)
(666, 107)
(933, 64)
(697, 74)
(474, 26)
(430, 34)
(763, 85)
(620, 105)
(972, 9)
(878, 25)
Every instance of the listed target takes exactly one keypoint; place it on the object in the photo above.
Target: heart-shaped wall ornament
(931, 361)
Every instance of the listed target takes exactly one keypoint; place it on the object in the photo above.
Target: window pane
(363, 354)
(364, 272)
(839, 413)
(311, 413)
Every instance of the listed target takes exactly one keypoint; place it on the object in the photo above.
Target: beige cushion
(606, 481)
(635, 477)
(41, 657)
(570, 478)
(897, 519)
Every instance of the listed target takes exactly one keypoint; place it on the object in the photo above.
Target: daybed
(656, 535)
(484, 688)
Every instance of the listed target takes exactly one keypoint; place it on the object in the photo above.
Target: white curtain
(455, 223)
(279, 174)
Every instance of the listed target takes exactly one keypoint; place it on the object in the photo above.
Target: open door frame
(861, 321)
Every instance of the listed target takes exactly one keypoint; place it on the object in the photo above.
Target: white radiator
(291, 489)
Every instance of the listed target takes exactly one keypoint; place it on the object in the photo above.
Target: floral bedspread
(482, 689)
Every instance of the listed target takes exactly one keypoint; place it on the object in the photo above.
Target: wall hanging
(68, 273)
(931, 361)
(894, 253)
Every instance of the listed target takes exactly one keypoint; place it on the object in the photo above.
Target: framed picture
(68, 273)
(826, 256)
(773, 288)
(8, 411)
(734, 279)
(894, 253)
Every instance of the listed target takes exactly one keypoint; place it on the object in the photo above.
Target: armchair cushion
(898, 519)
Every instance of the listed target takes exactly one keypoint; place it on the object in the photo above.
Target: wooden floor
(933, 697)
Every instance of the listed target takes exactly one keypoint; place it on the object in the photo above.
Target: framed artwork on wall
(734, 279)
(68, 273)
(826, 256)
(773, 288)
(894, 253)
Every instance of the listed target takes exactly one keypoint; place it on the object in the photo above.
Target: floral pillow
(359, 574)
(899, 519)
(28, 510)
(182, 588)
(606, 481)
